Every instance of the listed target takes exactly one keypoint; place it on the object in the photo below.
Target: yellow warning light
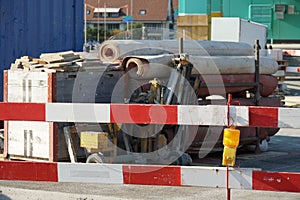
(231, 139)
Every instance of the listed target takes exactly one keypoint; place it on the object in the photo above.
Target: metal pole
(227, 182)
(132, 18)
(104, 21)
(127, 20)
(257, 94)
(180, 45)
(98, 16)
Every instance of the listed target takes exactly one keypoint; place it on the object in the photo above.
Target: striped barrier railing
(239, 178)
(214, 115)
(293, 69)
(291, 52)
(218, 115)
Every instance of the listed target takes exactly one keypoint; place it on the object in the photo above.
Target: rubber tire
(95, 158)
(186, 159)
(182, 160)
(263, 146)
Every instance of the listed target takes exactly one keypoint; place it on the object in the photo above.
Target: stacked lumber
(49, 62)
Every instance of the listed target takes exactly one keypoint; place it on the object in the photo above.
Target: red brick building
(154, 15)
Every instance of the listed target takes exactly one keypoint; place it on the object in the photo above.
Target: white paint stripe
(289, 117)
(90, 173)
(292, 52)
(293, 69)
(202, 115)
(77, 112)
(216, 177)
(239, 116)
(214, 115)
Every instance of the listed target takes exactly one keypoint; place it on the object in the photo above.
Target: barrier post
(227, 183)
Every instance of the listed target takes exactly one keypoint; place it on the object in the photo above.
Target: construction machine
(143, 73)
(145, 82)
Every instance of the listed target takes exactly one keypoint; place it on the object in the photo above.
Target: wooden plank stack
(49, 62)
(53, 77)
(195, 27)
(49, 78)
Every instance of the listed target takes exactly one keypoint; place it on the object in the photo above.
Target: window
(142, 12)
(107, 12)
(111, 27)
(116, 15)
(153, 25)
(88, 12)
(108, 15)
(96, 15)
(103, 14)
(261, 14)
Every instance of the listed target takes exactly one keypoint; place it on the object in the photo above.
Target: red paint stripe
(276, 181)
(53, 138)
(298, 69)
(52, 87)
(152, 175)
(5, 152)
(5, 86)
(143, 114)
(23, 111)
(28, 171)
(263, 116)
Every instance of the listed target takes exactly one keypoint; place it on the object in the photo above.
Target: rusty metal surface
(233, 83)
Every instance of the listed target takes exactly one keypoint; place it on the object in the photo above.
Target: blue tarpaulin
(32, 27)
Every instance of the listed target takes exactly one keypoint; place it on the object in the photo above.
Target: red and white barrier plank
(293, 69)
(215, 115)
(291, 52)
(151, 114)
(251, 179)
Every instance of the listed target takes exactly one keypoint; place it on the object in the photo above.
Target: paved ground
(49, 191)
(283, 155)
(293, 90)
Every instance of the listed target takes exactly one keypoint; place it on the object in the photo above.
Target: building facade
(156, 17)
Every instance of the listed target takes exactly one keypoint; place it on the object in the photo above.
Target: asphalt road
(283, 155)
(50, 191)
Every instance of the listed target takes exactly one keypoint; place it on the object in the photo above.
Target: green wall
(216, 5)
(279, 29)
(194, 6)
(199, 6)
(238, 8)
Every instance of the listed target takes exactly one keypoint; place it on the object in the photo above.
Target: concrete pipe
(148, 67)
(231, 65)
(112, 50)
